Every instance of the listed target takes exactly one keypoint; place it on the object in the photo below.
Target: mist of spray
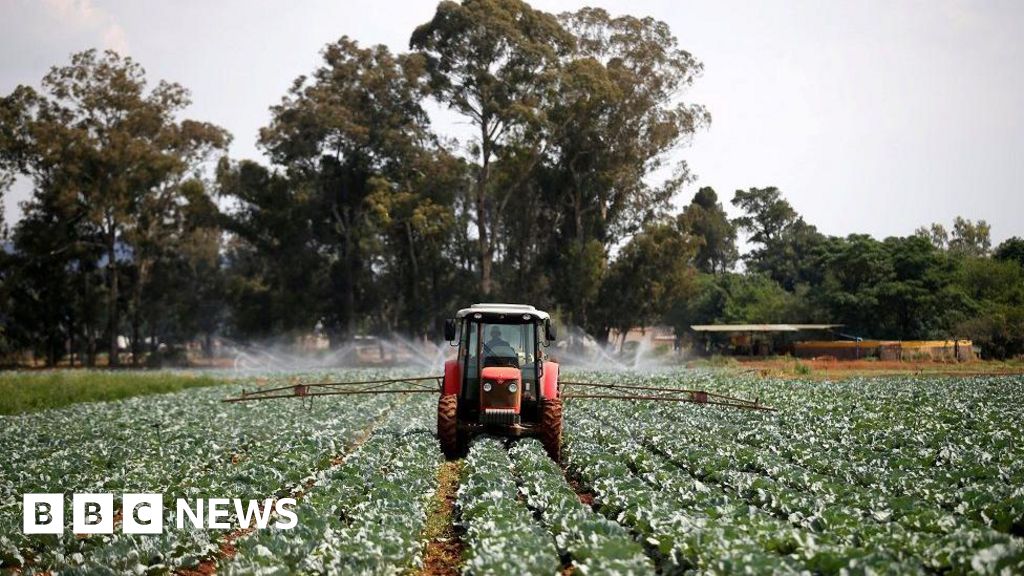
(582, 351)
(577, 350)
(394, 351)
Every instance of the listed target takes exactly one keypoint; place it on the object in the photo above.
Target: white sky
(870, 116)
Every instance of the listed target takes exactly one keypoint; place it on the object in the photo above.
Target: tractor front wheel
(448, 425)
(551, 427)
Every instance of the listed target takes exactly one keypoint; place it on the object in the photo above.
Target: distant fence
(887, 349)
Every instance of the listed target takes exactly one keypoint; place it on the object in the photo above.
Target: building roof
(497, 309)
(761, 327)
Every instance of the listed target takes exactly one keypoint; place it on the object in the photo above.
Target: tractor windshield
(511, 345)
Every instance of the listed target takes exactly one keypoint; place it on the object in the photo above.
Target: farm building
(961, 350)
(769, 339)
(754, 339)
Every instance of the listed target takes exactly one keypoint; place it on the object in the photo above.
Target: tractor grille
(499, 416)
(499, 396)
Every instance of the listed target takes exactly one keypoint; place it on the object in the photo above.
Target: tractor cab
(499, 381)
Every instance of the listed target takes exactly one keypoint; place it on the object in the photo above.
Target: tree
(785, 241)
(1012, 249)
(43, 274)
(919, 300)
(355, 137)
(276, 274)
(967, 239)
(15, 116)
(995, 321)
(335, 134)
(705, 219)
(418, 229)
(616, 113)
(852, 271)
(766, 214)
(494, 61)
(651, 274)
(97, 137)
(936, 234)
(993, 280)
(998, 330)
(183, 293)
(970, 238)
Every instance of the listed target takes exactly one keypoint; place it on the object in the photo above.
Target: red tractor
(500, 381)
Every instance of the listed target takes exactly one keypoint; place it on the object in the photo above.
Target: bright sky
(870, 116)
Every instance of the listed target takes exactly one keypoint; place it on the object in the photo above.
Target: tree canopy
(142, 236)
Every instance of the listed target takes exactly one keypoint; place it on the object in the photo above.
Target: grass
(716, 361)
(32, 391)
(801, 368)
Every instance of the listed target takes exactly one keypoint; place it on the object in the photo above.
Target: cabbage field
(865, 475)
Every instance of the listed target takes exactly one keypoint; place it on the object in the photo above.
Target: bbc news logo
(144, 513)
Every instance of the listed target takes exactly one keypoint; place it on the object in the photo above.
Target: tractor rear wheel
(448, 425)
(551, 427)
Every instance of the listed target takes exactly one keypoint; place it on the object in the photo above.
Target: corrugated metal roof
(761, 327)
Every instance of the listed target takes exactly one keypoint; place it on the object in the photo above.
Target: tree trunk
(153, 342)
(140, 279)
(90, 346)
(483, 247)
(413, 299)
(136, 337)
(71, 340)
(483, 240)
(51, 348)
(349, 296)
(113, 318)
(88, 321)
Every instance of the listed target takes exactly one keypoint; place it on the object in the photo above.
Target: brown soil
(226, 552)
(586, 497)
(443, 553)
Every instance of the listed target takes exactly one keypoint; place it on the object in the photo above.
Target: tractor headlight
(512, 388)
(487, 386)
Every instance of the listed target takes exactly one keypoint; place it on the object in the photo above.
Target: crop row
(707, 459)
(185, 445)
(364, 516)
(501, 534)
(689, 525)
(594, 544)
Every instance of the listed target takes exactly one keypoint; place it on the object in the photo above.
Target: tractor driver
(496, 339)
(502, 353)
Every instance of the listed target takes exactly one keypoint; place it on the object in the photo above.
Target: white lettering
(253, 510)
(43, 514)
(195, 516)
(282, 507)
(217, 509)
(92, 513)
(143, 513)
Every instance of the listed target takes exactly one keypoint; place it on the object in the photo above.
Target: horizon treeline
(366, 220)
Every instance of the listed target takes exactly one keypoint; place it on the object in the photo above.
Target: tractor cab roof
(513, 313)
